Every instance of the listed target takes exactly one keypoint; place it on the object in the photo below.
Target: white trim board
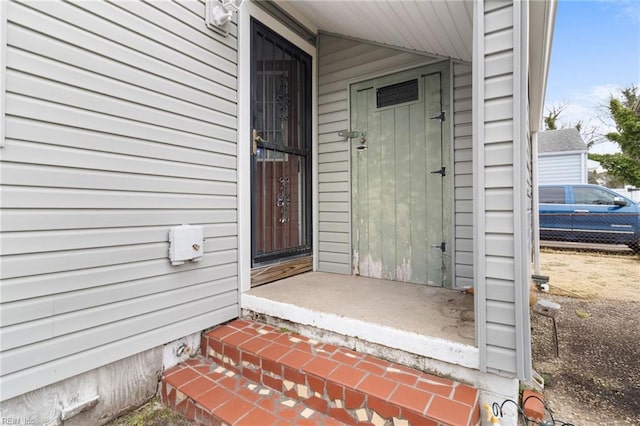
(479, 243)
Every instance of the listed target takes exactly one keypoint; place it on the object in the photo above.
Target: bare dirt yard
(596, 378)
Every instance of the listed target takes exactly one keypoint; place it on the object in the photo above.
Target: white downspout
(535, 214)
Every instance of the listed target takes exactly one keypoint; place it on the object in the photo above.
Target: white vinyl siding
(120, 123)
(502, 189)
(463, 175)
(561, 168)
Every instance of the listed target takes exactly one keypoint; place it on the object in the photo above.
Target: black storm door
(281, 148)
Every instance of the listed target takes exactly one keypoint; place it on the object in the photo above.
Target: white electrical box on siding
(186, 242)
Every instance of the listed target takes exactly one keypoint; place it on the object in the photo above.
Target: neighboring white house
(562, 157)
(122, 120)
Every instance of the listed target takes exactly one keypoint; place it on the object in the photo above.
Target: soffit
(441, 27)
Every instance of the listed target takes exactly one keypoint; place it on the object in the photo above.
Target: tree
(627, 121)
(624, 165)
(551, 119)
(589, 133)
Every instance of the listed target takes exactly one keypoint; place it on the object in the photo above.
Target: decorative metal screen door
(281, 147)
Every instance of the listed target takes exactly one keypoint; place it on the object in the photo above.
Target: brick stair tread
(210, 394)
(354, 387)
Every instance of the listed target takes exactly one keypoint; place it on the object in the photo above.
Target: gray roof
(562, 140)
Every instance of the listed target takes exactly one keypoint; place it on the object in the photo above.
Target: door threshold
(277, 271)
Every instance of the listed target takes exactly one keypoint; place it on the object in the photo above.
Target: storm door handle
(256, 138)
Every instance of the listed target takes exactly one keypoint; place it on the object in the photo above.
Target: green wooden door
(399, 187)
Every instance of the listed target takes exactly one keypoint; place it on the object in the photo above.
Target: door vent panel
(398, 93)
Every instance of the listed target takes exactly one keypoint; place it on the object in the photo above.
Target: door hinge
(442, 171)
(442, 116)
(442, 247)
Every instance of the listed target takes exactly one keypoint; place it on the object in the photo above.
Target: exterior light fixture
(218, 14)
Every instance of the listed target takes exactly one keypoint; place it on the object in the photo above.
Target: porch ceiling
(441, 27)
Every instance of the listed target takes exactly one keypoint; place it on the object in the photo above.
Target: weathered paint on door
(397, 199)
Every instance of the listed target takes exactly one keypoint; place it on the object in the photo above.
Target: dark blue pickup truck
(588, 213)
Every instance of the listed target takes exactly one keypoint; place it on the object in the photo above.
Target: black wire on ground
(497, 411)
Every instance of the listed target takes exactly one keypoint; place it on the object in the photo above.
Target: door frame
(445, 67)
(247, 11)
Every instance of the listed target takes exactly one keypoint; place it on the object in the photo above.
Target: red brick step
(352, 387)
(210, 394)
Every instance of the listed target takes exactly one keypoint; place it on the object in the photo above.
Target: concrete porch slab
(428, 321)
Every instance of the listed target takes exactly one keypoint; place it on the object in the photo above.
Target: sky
(595, 53)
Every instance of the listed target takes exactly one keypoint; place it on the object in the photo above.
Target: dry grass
(592, 275)
(153, 413)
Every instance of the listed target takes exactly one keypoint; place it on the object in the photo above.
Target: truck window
(551, 195)
(595, 196)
